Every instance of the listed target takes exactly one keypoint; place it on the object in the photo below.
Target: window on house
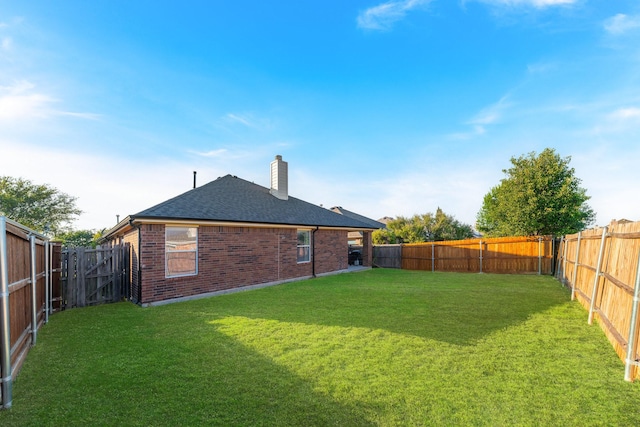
(181, 251)
(304, 247)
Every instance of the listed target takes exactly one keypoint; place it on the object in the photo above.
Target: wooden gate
(94, 276)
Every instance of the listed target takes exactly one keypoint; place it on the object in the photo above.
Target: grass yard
(382, 347)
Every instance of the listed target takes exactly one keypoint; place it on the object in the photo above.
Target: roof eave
(230, 223)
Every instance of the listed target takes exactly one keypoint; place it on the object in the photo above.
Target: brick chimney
(279, 179)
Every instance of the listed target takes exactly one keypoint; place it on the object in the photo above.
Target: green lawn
(382, 347)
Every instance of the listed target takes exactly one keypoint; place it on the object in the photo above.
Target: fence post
(80, 278)
(5, 329)
(480, 256)
(562, 266)
(554, 264)
(598, 274)
(46, 282)
(631, 342)
(575, 268)
(34, 290)
(539, 256)
(433, 257)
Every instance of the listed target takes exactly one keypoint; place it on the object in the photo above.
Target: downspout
(313, 252)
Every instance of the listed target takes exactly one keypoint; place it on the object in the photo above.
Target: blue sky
(383, 108)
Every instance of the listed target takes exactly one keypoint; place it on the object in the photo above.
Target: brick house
(230, 234)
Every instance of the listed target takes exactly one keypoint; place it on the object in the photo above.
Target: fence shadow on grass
(160, 374)
(457, 308)
(239, 386)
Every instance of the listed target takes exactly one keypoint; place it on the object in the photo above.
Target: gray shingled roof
(233, 199)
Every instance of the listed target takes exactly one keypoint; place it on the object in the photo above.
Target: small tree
(40, 207)
(539, 196)
(80, 238)
(423, 228)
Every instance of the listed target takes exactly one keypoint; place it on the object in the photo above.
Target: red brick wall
(331, 250)
(232, 257)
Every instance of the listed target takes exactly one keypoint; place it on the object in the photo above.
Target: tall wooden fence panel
(24, 291)
(387, 256)
(534, 255)
(601, 268)
(94, 276)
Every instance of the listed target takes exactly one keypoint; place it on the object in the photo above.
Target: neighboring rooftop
(233, 199)
(372, 223)
(385, 220)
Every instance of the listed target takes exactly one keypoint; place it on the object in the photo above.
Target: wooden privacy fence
(94, 276)
(25, 289)
(490, 255)
(602, 268)
(387, 256)
(37, 279)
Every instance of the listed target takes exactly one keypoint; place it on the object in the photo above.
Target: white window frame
(168, 251)
(299, 246)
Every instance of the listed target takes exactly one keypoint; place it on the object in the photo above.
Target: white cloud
(6, 43)
(86, 116)
(211, 153)
(20, 101)
(538, 4)
(624, 114)
(383, 16)
(611, 180)
(489, 115)
(238, 118)
(540, 68)
(248, 120)
(621, 23)
(102, 192)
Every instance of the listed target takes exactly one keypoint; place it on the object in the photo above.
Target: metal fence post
(433, 257)
(554, 259)
(575, 268)
(539, 256)
(5, 329)
(34, 290)
(47, 254)
(631, 341)
(598, 274)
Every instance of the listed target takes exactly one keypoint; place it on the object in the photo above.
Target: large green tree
(40, 207)
(423, 228)
(540, 195)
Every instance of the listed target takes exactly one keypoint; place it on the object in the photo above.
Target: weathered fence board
(387, 256)
(94, 276)
(601, 268)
